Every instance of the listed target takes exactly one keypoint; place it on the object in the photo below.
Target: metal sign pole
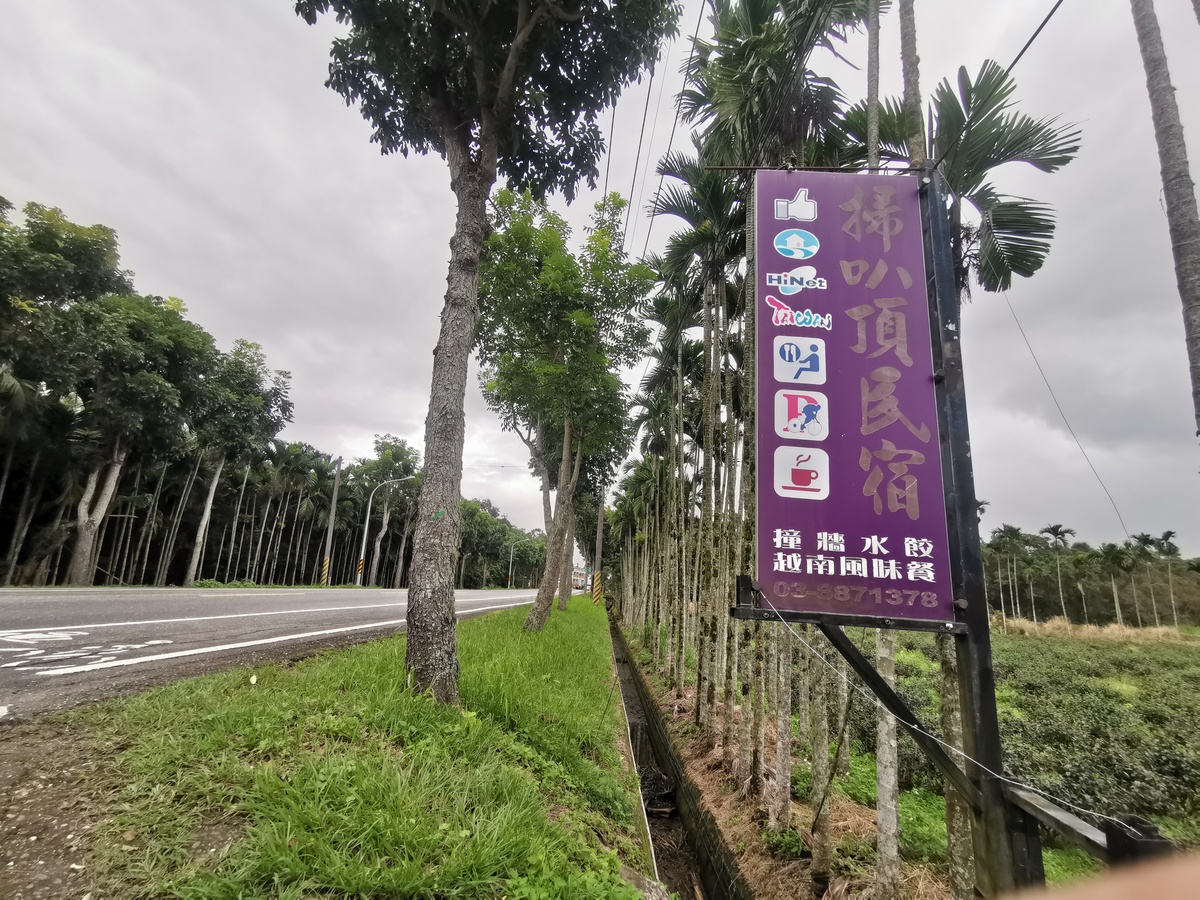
(1007, 853)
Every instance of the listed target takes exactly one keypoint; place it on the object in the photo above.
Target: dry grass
(741, 819)
(1060, 627)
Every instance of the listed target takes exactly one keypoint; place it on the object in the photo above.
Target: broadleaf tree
(511, 88)
(555, 328)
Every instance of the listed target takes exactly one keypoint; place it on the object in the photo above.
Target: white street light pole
(510, 557)
(362, 553)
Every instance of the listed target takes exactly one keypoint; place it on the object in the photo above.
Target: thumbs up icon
(799, 208)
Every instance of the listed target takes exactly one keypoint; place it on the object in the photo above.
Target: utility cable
(675, 122)
(653, 131)
(1058, 406)
(638, 158)
(612, 124)
(1016, 59)
(875, 701)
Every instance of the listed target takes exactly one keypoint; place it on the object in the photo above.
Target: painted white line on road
(3, 711)
(276, 612)
(197, 651)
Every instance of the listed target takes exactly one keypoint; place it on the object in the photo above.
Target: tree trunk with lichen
(431, 644)
(961, 853)
(1179, 193)
(822, 849)
(779, 813)
(887, 763)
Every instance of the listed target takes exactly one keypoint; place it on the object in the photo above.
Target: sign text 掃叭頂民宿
(851, 505)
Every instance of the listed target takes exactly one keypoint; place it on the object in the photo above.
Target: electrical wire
(1058, 406)
(875, 701)
(653, 131)
(675, 122)
(612, 124)
(638, 157)
(1016, 59)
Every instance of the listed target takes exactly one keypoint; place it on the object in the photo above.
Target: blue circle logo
(796, 243)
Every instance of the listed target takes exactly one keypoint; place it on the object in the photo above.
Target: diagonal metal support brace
(897, 707)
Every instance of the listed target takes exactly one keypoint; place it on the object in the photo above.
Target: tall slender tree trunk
(93, 505)
(190, 578)
(1179, 193)
(262, 533)
(1061, 599)
(822, 849)
(277, 533)
(961, 855)
(230, 565)
(1153, 602)
(779, 814)
(431, 647)
(910, 64)
(1170, 581)
(1116, 599)
(1082, 601)
(8, 458)
(387, 517)
(404, 532)
(168, 551)
(567, 580)
(25, 513)
(887, 790)
(568, 475)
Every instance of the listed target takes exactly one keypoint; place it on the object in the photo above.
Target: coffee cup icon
(804, 477)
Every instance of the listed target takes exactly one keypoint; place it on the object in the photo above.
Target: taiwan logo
(784, 315)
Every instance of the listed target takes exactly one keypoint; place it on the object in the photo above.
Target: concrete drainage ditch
(690, 854)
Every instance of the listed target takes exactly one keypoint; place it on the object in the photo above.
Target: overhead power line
(675, 122)
(1012, 65)
(1058, 406)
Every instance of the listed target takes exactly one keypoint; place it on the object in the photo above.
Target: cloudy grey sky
(203, 133)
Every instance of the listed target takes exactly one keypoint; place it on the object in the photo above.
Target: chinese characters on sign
(851, 508)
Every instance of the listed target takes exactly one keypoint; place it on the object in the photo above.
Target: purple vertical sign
(851, 508)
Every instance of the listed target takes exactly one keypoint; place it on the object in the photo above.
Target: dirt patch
(48, 812)
(741, 820)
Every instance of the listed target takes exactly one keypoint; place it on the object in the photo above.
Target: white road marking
(39, 635)
(91, 667)
(14, 634)
(3, 711)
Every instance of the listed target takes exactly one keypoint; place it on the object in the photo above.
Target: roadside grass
(329, 778)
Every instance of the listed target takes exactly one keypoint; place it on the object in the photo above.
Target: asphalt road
(60, 647)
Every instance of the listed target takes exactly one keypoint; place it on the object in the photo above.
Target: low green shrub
(922, 826)
(802, 780)
(853, 856)
(785, 844)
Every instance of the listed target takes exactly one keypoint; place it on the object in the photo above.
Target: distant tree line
(1140, 582)
(134, 451)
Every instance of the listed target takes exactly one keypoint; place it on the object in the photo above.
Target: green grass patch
(922, 826)
(860, 784)
(1069, 864)
(330, 778)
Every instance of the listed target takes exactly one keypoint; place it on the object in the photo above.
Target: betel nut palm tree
(973, 132)
(1179, 192)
